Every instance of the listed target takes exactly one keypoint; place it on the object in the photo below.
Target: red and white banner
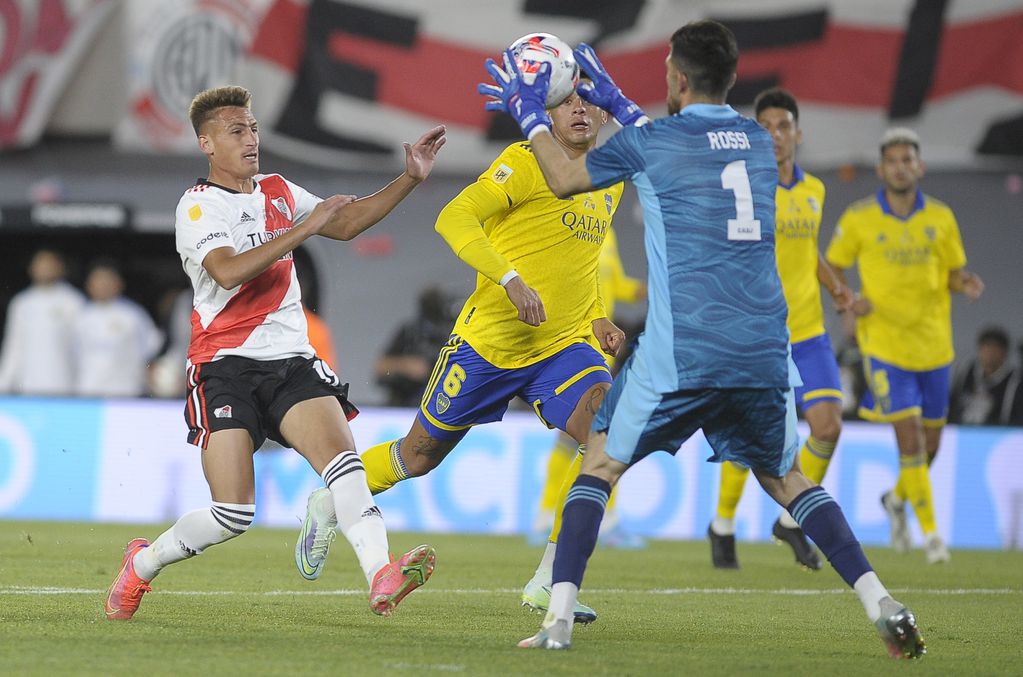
(343, 83)
(175, 50)
(41, 46)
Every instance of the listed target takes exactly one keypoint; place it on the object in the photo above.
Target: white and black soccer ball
(533, 50)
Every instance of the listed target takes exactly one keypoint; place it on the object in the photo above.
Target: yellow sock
(384, 467)
(900, 489)
(557, 465)
(815, 457)
(570, 476)
(733, 478)
(611, 500)
(913, 475)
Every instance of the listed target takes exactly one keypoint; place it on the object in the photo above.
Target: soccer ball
(533, 50)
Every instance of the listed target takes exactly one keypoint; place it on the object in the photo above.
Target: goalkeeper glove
(512, 95)
(602, 90)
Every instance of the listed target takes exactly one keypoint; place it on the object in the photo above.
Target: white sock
(358, 517)
(563, 597)
(722, 526)
(545, 570)
(191, 534)
(786, 520)
(870, 591)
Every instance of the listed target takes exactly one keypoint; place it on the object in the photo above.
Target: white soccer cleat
(896, 511)
(537, 597)
(936, 550)
(556, 636)
(319, 529)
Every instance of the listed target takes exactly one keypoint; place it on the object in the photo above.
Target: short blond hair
(206, 103)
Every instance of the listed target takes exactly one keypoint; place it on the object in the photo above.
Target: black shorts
(238, 392)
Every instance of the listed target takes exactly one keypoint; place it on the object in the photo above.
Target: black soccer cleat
(806, 554)
(722, 550)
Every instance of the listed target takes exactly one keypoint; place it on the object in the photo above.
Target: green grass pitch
(242, 609)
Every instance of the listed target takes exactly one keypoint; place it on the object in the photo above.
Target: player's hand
(843, 298)
(526, 301)
(973, 286)
(510, 94)
(420, 156)
(610, 337)
(326, 211)
(602, 90)
(861, 306)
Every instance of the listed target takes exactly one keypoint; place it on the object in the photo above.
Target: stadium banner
(42, 43)
(176, 49)
(127, 461)
(343, 83)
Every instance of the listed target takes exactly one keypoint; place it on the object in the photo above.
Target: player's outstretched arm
(602, 91)
(525, 103)
(368, 211)
(966, 283)
(229, 269)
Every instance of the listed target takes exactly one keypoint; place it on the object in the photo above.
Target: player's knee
(828, 431)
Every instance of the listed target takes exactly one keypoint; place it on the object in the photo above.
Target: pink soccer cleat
(393, 582)
(126, 591)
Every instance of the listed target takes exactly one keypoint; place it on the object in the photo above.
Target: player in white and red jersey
(252, 374)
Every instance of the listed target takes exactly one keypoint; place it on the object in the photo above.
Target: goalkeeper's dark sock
(584, 509)
(822, 521)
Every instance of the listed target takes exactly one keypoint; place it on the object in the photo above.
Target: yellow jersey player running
(799, 200)
(534, 327)
(910, 254)
(615, 286)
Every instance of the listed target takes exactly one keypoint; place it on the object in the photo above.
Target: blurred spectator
(167, 372)
(980, 393)
(115, 338)
(405, 366)
(37, 357)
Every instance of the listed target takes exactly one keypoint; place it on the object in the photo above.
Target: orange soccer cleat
(126, 591)
(393, 582)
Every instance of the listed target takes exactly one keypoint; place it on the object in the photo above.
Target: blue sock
(580, 522)
(821, 519)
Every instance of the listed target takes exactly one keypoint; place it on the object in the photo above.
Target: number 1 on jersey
(736, 179)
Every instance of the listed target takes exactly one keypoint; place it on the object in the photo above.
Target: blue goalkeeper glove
(603, 91)
(512, 95)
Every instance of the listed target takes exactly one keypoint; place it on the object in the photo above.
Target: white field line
(785, 592)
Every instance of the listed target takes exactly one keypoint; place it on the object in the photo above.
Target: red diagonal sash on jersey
(255, 299)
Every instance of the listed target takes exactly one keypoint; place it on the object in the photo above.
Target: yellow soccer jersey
(798, 222)
(554, 244)
(903, 265)
(615, 285)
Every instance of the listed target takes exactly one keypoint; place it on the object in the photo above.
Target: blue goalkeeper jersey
(706, 179)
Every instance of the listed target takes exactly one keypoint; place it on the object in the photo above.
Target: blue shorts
(818, 368)
(754, 427)
(466, 390)
(894, 394)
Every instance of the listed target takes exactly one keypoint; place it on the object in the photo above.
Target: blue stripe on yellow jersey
(798, 223)
(706, 178)
(903, 266)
